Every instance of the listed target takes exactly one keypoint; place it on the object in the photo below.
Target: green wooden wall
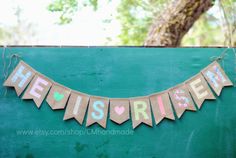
(118, 72)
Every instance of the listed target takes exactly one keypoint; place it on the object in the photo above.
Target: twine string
(221, 56)
(4, 61)
(12, 57)
(6, 68)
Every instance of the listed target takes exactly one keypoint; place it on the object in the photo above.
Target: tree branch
(169, 28)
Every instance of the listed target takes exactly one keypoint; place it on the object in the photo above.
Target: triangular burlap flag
(77, 106)
(161, 106)
(199, 89)
(181, 99)
(58, 96)
(38, 89)
(119, 110)
(140, 111)
(97, 112)
(216, 77)
(20, 77)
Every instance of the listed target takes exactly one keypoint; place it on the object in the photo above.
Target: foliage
(204, 33)
(66, 7)
(212, 30)
(21, 33)
(136, 16)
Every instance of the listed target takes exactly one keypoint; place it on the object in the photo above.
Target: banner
(140, 111)
(97, 112)
(216, 77)
(181, 99)
(78, 105)
(161, 106)
(119, 110)
(20, 77)
(38, 89)
(199, 89)
(58, 96)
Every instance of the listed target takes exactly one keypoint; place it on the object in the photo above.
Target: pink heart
(119, 110)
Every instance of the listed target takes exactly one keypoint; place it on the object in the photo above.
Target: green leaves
(67, 8)
(94, 3)
(63, 5)
(136, 17)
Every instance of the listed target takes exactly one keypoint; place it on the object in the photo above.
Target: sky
(87, 27)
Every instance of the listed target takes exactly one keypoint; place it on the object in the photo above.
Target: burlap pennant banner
(97, 112)
(199, 89)
(119, 110)
(20, 77)
(216, 77)
(58, 96)
(38, 87)
(140, 111)
(77, 106)
(181, 99)
(161, 106)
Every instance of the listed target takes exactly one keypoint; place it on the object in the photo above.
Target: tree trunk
(174, 23)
